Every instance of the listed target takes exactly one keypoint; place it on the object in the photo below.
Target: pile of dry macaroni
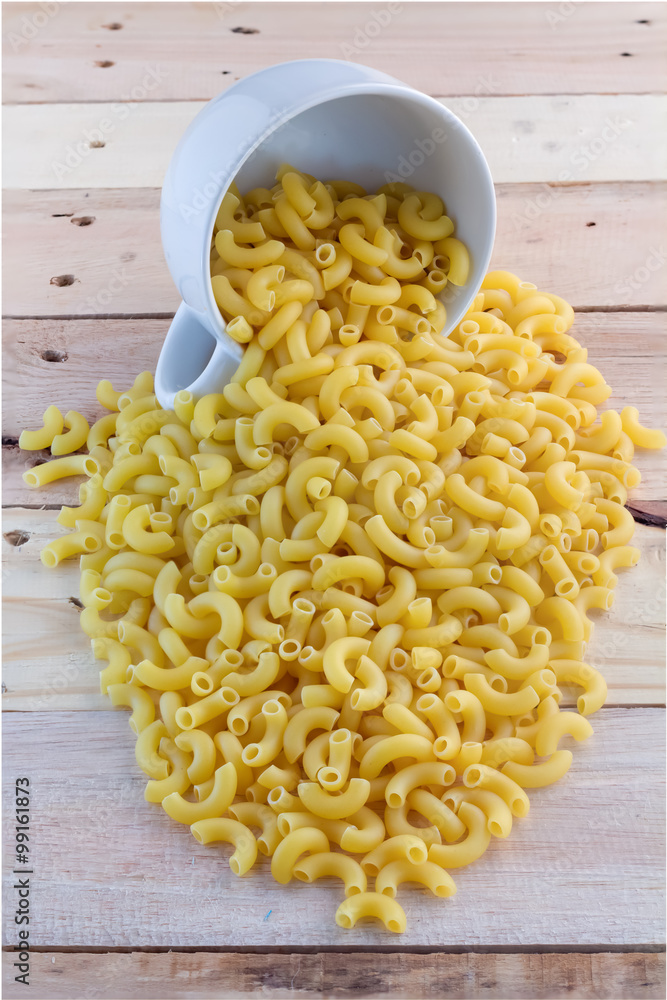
(342, 596)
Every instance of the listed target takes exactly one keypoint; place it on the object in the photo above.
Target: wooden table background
(567, 102)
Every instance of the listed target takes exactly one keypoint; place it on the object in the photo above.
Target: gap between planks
(390, 949)
(583, 310)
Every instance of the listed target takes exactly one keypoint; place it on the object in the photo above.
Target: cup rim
(337, 92)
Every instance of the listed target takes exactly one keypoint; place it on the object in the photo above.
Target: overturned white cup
(329, 118)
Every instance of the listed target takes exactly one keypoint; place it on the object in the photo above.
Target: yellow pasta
(327, 864)
(427, 873)
(53, 423)
(372, 904)
(351, 585)
(213, 829)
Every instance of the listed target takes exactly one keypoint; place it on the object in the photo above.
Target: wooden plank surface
(528, 139)
(599, 834)
(195, 50)
(48, 664)
(116, 266)
(567, 102)
(207, 976)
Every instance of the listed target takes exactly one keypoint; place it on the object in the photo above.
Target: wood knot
(51, 355)
(61, 280)
(114, 26)
(83, 220)
(104, 63)
(16, 538)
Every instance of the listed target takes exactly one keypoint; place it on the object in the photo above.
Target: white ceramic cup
(332, 119)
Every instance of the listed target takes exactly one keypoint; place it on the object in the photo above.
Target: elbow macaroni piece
(351, 584)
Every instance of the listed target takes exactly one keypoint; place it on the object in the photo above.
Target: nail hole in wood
(61, 215)
(83, 220)
(588, 224)
(75, 602)
(10, 442)
(244, 31)
(114, 26)
(643, 21)
(96, 144)
(61, 280)
(56, 356)
(226, 72)
(104, 63)
(626, 53)
(16, 538)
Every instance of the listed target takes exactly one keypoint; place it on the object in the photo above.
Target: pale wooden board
(543, 235)
(203, 975)
(627, 347)
(525, 140)
(527, 49)
(113, 871)
(48, 665)
(453, 48)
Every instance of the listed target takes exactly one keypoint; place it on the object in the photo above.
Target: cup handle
(193, 358)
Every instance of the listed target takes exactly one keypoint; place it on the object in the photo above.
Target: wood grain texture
(529, 139)
(567, 102)
(194, 50)
(116, 266)
(207, 976)
(117, 872)
(627, 347)
(48, 664)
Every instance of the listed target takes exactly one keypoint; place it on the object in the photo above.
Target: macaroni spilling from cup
(345, 596)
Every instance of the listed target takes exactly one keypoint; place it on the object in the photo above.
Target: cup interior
(372, 138)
